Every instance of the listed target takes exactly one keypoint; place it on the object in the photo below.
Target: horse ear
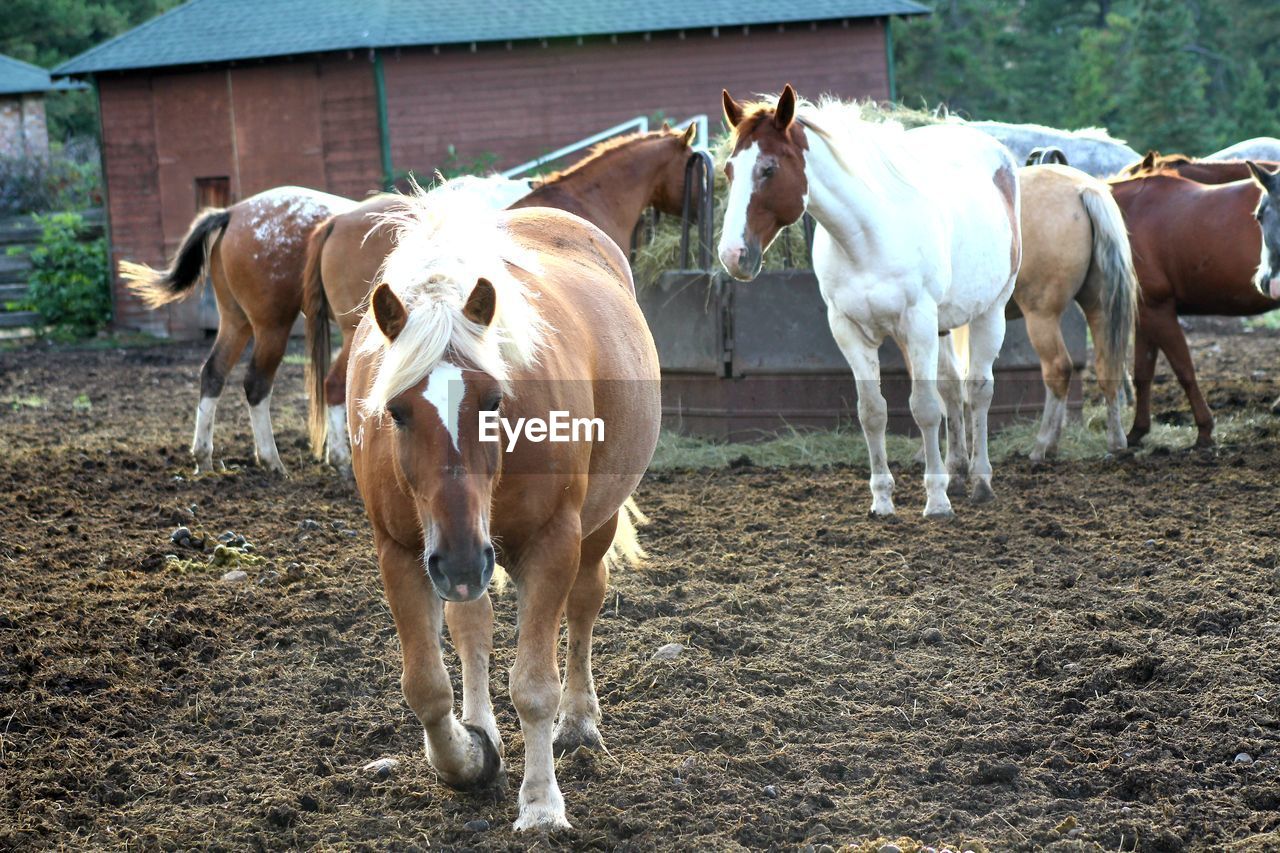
(481, 304)
(666, 125)
(389, 311)
(785, 112)
(1263, 178)
(732, 109)
(1149, 161)
(689, 133)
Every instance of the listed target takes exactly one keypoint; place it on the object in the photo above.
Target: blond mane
(446, 241)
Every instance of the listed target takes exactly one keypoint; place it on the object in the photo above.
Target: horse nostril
(433, 565)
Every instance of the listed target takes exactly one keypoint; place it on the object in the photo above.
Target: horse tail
(315, 305)
(625, 550)
(160, 287)
(1113, 261)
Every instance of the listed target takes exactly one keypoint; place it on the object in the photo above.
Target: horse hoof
(1134, 439)
(956, 487)
(491, 772)
(543, 818)
(982, 493)
(1204, 442)
(940, 514)
(1275, 407)
(570, 736)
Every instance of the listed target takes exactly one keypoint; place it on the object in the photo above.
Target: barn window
(213, 192)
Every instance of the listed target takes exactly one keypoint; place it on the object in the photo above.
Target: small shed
(219, 99)
(24, 134)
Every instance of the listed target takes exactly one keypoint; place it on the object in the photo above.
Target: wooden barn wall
(526, 100)
(133, 188)
(311, 122)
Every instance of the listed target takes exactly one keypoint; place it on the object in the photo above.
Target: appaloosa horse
(610, 188)
(918, 233)
(500, 314)
(255, 252)
(1197, 249)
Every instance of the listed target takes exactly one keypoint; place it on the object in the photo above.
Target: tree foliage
(49, 32)
(1194, 75)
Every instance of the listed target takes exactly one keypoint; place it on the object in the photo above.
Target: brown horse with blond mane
(484, 316)
(611, 188)
(255, 252)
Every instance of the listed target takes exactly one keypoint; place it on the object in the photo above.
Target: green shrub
(69, 284)
(71, 179)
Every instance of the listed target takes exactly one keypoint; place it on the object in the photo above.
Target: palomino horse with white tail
(480, 316)
(918, 233)
(255, 251)
(610, 188)
(1074, 247)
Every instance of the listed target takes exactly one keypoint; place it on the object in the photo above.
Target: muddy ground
(1075, 667)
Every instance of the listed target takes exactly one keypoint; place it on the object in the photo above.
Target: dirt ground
(1077, 666)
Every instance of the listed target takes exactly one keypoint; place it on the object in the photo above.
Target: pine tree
(1167, 108)
(1252, 117)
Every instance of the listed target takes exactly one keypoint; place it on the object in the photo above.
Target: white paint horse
(918, 233)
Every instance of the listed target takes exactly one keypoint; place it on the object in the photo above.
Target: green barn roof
(17, 77)
(223, 30)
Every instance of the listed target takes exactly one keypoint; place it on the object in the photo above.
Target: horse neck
(613, 189)
(850, 211)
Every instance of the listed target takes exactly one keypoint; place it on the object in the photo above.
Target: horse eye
(492, 402)
(397, 416)
(767, 171)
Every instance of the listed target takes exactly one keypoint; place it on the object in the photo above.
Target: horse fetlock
(572, 732)
(982, 492)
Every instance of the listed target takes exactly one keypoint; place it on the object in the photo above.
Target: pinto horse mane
(854, 141)
(445, 243)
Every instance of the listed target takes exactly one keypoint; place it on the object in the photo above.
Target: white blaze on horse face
(444, 392)
(733, 234)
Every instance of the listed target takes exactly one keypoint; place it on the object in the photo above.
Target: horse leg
(471, 629)
(1110, 377)
(546, 576)
(1173, 343)
(464, 755)
(873, 413)
(951, 387)
(233, 334)
(1045, 333)
(269, 345)
(337, 443)
(986, 335)
(1144, 371)
(921, 343)
(579, 712)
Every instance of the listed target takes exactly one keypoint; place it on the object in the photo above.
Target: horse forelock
(445, 243)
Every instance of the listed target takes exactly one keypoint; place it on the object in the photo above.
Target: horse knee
(535, 694)
(926, 405)
(874, 414)
(257, 384)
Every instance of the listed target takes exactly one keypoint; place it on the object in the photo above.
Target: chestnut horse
(1074, 247)
(518, 315)
(1197, 250)
(918, 234)
(611, 188)
(254, 252)
(1201, 171)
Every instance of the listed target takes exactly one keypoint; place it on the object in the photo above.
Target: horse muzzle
(743, 262)
(461, 575)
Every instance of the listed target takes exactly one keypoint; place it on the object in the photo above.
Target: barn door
(210, 192)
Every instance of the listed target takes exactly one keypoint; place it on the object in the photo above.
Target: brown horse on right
(611, 188)
(1200, 171)
(1196, 249)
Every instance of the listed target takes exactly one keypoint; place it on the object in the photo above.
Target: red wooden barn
(220, 99)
